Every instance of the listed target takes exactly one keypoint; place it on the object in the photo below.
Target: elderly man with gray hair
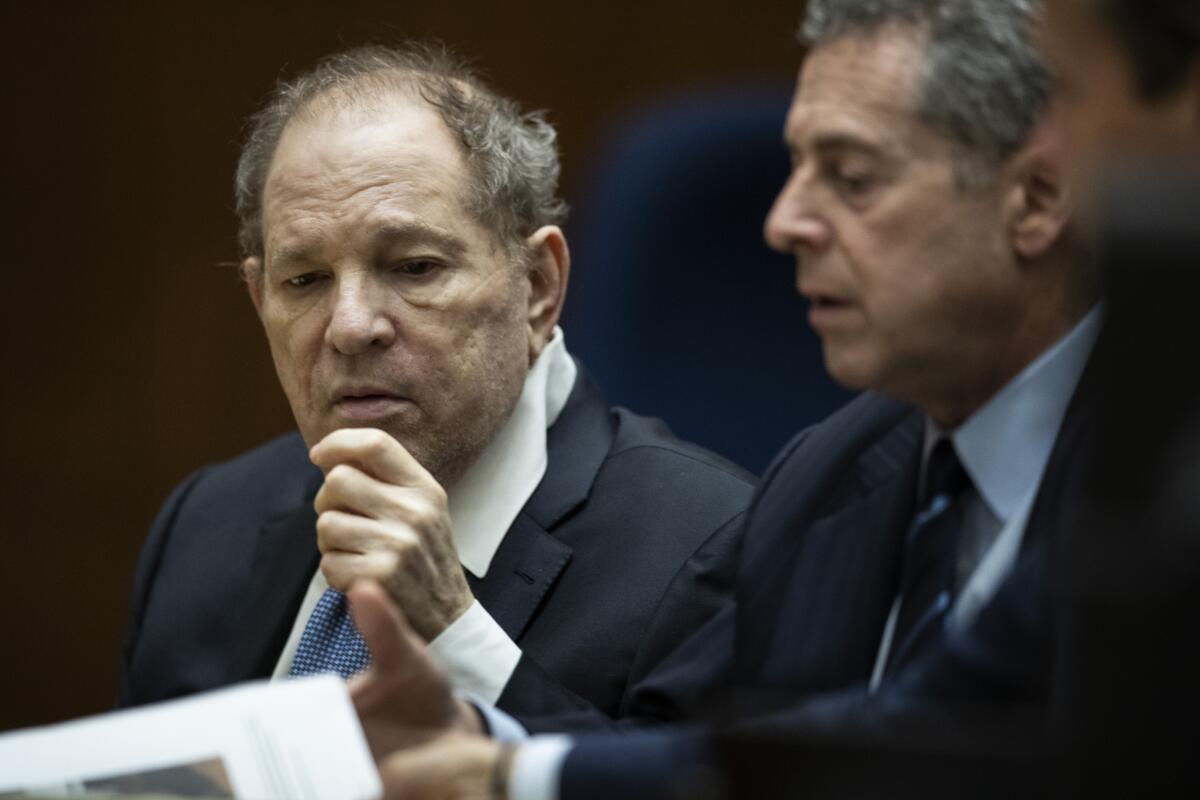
(401, 246)
(894, 561)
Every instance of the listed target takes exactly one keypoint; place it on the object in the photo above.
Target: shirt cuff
(476, 654)
(537, 768)
(500, 726)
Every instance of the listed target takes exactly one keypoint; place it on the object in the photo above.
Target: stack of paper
(298, 740)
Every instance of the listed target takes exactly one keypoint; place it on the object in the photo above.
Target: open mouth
(827, 310)
(825, 302)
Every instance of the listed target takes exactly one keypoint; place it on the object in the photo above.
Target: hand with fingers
(382, 516)
(426, 742)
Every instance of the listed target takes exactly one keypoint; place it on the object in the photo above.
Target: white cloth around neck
(489, 496)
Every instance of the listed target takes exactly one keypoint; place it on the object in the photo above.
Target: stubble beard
(449, 450)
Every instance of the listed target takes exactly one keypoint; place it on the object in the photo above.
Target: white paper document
(294, 740)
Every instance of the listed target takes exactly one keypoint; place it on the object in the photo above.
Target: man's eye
(301, 281)
(853, 183)
(416, 268)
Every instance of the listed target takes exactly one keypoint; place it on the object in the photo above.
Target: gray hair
(982, 81)
(513, 156)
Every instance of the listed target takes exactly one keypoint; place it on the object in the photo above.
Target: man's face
(1108, 120)
(909, 276)
(386, 304)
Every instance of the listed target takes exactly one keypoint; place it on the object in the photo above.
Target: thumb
(383, 626)
(394, 646)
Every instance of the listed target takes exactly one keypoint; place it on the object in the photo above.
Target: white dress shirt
(475, 651)
(1004, 447)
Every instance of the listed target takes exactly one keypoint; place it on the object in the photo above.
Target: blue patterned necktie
(927, 577)
(330, 642)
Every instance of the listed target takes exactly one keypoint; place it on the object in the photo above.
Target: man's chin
(850, 370)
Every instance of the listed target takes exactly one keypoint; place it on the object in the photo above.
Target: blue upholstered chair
(676, 305)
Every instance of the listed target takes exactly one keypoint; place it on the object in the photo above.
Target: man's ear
(253, 276)
(548, 269)
(1040, 203)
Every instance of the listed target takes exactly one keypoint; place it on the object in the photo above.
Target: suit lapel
(531, 559)
(285, 559)
(843, 578)
(527, 564)
(576, 446)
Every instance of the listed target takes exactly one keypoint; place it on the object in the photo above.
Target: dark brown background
(130, 354)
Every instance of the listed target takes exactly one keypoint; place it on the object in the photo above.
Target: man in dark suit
(895, 555)
(399, 222)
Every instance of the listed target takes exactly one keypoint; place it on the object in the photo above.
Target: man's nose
(359, 319)
(794, 222)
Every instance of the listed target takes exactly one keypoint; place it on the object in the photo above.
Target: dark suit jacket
(627, 546)
(820, 570)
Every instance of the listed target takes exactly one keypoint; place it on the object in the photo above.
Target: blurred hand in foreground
(403, 699)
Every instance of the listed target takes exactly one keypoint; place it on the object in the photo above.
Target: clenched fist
(382, 516)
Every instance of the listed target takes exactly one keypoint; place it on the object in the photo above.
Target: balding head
(512, 156)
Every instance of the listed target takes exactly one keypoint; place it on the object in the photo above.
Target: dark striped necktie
(927, 576)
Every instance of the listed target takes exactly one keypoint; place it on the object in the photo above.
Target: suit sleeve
(960, 717)
(144, 577)
(685, 653)
(649, 765)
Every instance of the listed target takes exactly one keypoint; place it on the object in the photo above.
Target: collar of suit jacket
(488, 497)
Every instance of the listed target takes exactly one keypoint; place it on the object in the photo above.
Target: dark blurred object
(1128, 682)
(924, 752)
(1161, 39)
(924, 768)
(1149, 354)
(676, 304)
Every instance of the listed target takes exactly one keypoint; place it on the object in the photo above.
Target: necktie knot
(944, 474)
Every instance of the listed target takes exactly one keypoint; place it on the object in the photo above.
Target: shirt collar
(487, 499)
(1004, 446)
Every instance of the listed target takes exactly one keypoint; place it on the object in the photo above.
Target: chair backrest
(676, 305)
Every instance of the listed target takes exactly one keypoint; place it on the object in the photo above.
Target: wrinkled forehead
(363, 163)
